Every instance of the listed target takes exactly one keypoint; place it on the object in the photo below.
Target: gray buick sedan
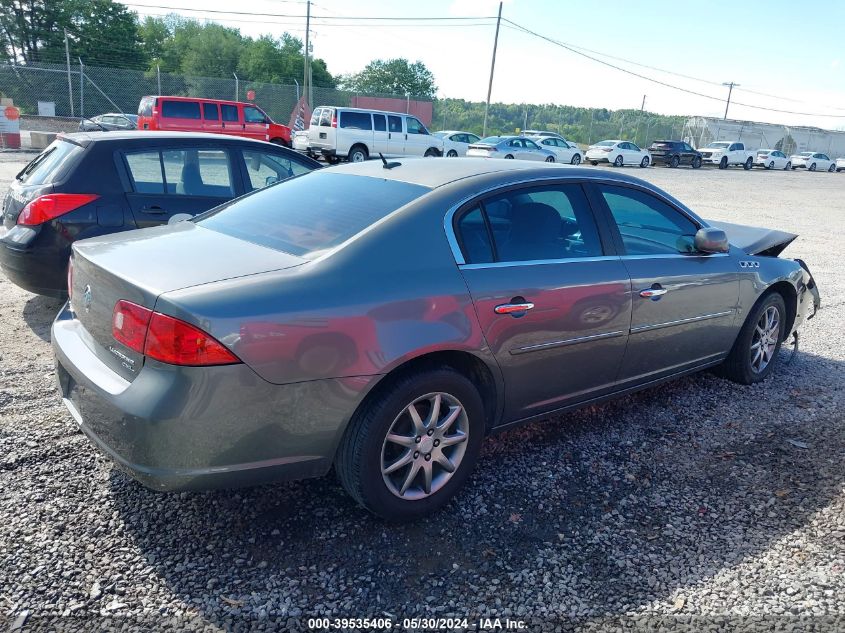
(382, 318)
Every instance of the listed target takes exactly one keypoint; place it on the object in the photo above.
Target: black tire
(358, 462)
(357, 154)
(723, 164)
(576, 159)
(832, 168)
(431, 152)
(675, 161)
(812, 167)
(550, 159)
(645, 162)
(738, 365)
(594, 163)
(509, 157)
(771, 165)
(696, 162)
(619, 161)
(748, 164)
(451, 154)
(332, 160)
(788, 166)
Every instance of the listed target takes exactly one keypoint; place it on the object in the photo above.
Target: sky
(793, 54)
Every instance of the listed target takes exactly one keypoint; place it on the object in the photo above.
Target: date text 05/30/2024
(415, 624)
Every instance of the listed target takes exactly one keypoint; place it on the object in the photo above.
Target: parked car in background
(108, 122)
(812, 161)
(94, 183)
(188, 114)
(441, 328)
(517, 147)
(564, 151)
(356, 134)
(456, 143)
(840, 164)
(674, 153)
(299, 141)
(772, 159)
(727, 153)
(618, 153)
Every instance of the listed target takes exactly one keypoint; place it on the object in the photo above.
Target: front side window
(180, 110)
(356, 120)
(266, 169)
(541, 223)
(230, 112)
(647, 225)
(415, 127)
(394, 123)
(254, 115)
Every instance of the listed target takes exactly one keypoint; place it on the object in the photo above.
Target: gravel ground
(699, 505)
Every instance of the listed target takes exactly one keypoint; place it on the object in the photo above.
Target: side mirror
(710, 240)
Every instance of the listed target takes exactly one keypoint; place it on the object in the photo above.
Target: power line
(572, 49)
(290, 15)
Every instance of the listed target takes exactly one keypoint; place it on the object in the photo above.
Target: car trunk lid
(755, 240)
(140, 266)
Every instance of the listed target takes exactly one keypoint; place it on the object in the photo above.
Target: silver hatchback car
(382, 318)
(516, 147)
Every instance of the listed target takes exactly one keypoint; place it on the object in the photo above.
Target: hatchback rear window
(311, 213)
(45, 167)
(181, 109)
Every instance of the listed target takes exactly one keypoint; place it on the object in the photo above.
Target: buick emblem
(86, 298)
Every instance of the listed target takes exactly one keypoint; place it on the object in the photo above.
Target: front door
(380, 143)
(684, 302)
(417, 139)
(553, 305)
(255, 123)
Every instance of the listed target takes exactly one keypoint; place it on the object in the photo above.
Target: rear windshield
(606, 143)
(312, 213)
(44, 167)
(491, 140)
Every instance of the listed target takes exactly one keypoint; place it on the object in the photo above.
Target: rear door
(553, 302)
(684, 303)
(169, 181)
(180, 115)
(211, 118)
(230, 117)
(354, 127)
(380, 140)
(395, 134)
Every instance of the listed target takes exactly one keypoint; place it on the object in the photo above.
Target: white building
(699, 131)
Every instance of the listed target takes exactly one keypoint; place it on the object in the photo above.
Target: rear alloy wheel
(576, 160)
(788, 166)
(696, 162)
(619, 161)
(748, 164)
(644, 162)
(832, 168)
(755, 351)
(813, 167)
(358, 154)
(675, 161)
(411, 448)
(771, 165)
(451, 154)
(550, 159)
(723, 164)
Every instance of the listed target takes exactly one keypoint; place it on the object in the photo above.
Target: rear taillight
(334, 120)
(45, 208)
(165, 338)
(70, 279)
(129, 324)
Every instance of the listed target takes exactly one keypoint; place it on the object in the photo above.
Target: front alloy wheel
(755, 351)
(764, 341)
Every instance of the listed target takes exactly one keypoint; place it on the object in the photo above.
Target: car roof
(201, 99)
(345, 109)
(437, 172)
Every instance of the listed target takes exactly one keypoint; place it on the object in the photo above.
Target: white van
(356, 134)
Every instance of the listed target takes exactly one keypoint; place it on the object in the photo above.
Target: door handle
(655, 292)
(153, 210)
(514, 309)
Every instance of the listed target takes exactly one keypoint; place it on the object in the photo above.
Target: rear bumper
(35, 269)
(597, 159)
(191, 428)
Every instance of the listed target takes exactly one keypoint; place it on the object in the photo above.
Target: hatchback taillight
(49, 207)
(166, 338)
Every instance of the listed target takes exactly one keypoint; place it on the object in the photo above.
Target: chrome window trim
(658, 326)
(566, 342)
(674, 256)
(539, 262)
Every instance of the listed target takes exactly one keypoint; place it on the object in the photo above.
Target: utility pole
(81, 88)
(492, 68)
(640, 120)
(69, 82)
(158, 77)
(730, 85)
(305, 86)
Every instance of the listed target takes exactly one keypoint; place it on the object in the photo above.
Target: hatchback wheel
(411, 448)
(813, 167)
(576, 160)
(771, 165)
(619, 161)
(755, 351)
(644, 162)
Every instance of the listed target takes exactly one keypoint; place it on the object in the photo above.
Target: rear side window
(145, 170)
(180, 109)
(184, 172)
(210, 112)
(230, 112)
(315, 212)
(394, 123)
(45, 167)
(475, 238)
(356, 120)
(379, 123)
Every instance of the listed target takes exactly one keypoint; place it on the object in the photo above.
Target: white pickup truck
(726, 153)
